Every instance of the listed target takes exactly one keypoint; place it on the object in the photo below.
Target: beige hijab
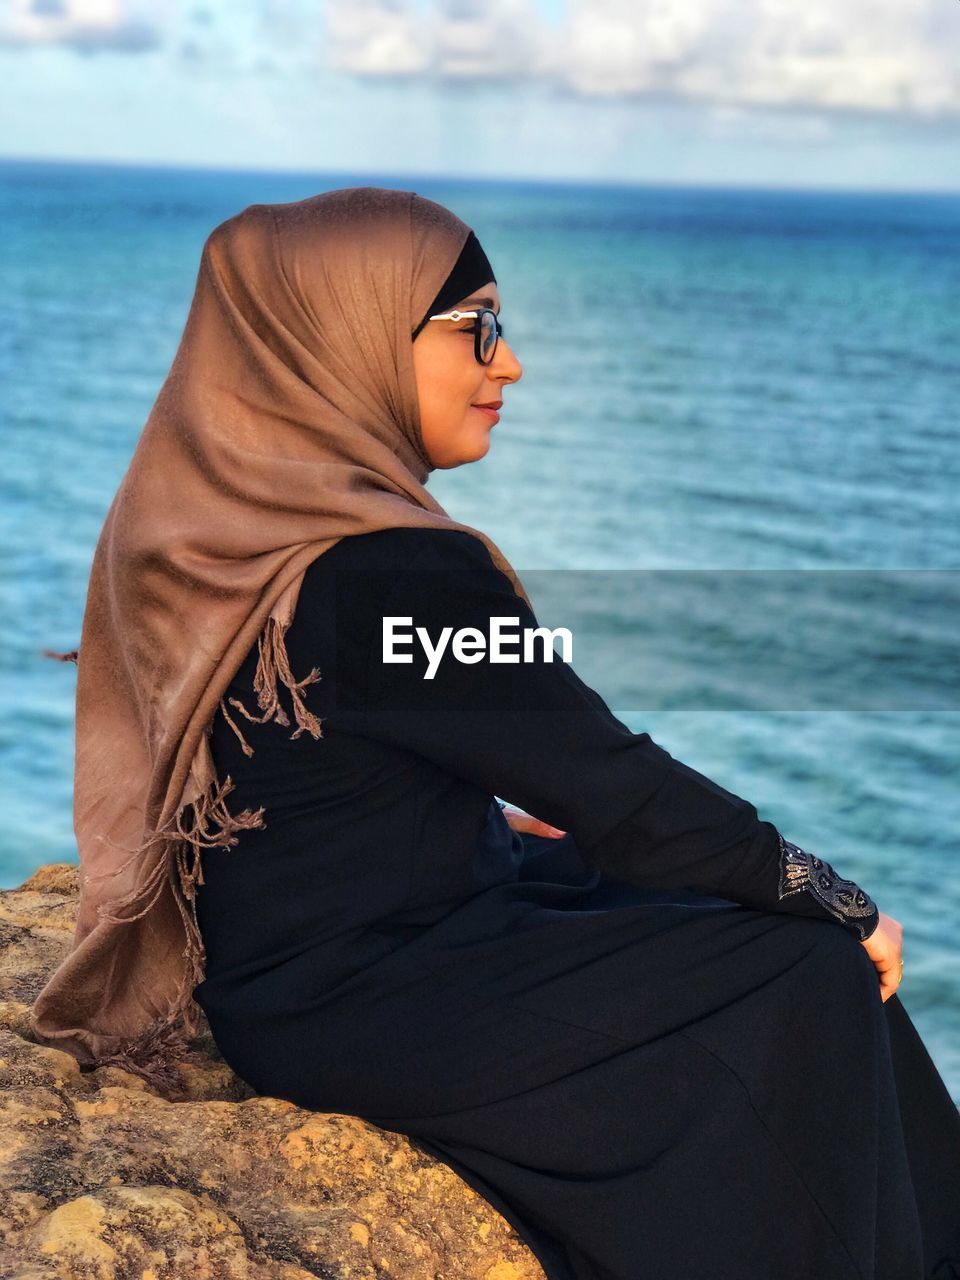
(289, 419)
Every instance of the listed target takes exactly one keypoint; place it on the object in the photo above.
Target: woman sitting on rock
(659, 1037)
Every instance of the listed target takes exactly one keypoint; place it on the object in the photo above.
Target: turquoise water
(713, 380)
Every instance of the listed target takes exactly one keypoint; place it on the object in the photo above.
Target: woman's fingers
(885, 949)
(522, 821)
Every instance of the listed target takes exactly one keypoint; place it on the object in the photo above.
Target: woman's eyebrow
(486, 302)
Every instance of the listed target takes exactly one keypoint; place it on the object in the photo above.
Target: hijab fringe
(153, 1054)
(72, 655)
(245, 745)
(273, 661)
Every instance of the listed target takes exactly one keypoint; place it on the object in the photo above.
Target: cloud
(873, 55)
(820, 57)
(87, 26)
(377, 38)
(447, 40)
(882, 56)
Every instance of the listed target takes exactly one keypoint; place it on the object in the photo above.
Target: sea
(730, 468)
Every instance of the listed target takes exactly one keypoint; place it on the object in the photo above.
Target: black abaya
(651, 1063)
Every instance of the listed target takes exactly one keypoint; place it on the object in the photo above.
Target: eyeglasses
(486, 332)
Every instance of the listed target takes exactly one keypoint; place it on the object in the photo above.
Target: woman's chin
(483, 448)
(470, 449)
(476, 448)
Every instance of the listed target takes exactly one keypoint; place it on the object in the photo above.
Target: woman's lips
(490, 414)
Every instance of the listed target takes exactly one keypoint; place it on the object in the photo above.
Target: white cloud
(829, 55)
(460, 40)
(887, 57)
(866, 55)
(377, 38)
(89, 26)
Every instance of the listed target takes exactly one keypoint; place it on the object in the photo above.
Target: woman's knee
(838, 949)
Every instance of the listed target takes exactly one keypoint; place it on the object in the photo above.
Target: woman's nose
(505, 364)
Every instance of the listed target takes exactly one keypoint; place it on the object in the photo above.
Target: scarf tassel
(72, 655)
(154, 1053)
(273, 661)
(176, 836)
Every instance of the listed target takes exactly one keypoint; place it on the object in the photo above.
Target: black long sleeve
(533, 732)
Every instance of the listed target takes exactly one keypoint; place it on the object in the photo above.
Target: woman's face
(451, 383)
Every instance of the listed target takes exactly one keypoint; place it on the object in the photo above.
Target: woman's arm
(534, 731)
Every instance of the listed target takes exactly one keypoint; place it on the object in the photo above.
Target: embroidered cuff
(842, 898)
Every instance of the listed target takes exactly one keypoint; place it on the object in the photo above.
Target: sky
(861, 94)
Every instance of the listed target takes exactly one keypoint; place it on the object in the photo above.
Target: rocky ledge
(103, 1178)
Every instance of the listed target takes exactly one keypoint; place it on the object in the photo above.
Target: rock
(103, 1178)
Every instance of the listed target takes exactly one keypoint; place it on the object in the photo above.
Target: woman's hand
(519, 820)
(885, 949)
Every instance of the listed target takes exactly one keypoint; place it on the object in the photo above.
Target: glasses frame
(475, 315)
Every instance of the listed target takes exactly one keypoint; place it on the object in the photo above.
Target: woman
(659, 1037)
